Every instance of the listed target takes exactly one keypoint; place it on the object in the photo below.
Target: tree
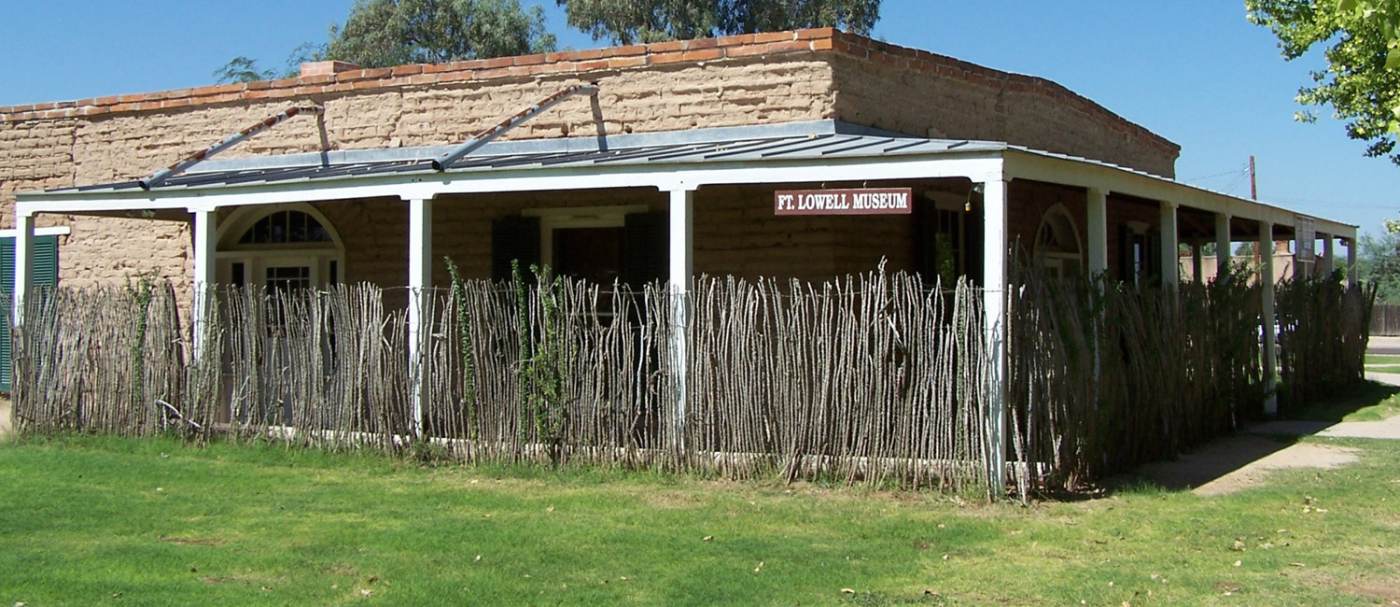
(1362, 49)
(242, 69)
(657, 20)
(1378, 262)
(382, 33)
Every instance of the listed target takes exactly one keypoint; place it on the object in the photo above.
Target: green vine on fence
(141, 294)
(459, 308)
(542, 362)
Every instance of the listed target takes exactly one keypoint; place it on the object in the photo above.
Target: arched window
(291, 246)
(1057, 247)
(286, 227)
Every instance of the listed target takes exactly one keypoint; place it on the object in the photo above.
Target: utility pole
(1253, 185)
(1254, 195)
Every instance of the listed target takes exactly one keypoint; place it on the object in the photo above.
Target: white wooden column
(1171, 259)
(24, 258)
(420, 284)
(1097, 200)
(1327, 264)
(1266, 284)
(994, 245)
(1351, 261)
(205, 240)
(1222, 245)
(682, 210)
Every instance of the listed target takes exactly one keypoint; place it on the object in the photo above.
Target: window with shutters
(45, 274)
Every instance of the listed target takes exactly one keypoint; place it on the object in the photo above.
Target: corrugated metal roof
(792, 141)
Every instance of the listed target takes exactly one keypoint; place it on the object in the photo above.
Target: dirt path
(1240, 462)
(6, 422)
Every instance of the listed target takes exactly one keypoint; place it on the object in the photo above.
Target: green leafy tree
(1361, 42)
(632, 21)
(242, 69)
(381, 33)
(1378, 262)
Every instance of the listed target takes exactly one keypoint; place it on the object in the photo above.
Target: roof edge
(565, 63)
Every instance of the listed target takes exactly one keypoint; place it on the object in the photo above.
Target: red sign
(861, 201)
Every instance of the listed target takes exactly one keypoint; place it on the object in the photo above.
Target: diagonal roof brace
(184, 164)
(441, 163)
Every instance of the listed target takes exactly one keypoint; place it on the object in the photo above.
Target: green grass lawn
(1382, 359)
(91, 521)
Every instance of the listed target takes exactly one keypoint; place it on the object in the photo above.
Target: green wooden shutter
(45, 274)
(513, 238)
(646, 250)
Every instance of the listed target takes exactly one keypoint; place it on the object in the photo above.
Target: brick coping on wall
(810, 41)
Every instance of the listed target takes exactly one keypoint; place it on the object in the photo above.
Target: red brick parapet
(327, 79)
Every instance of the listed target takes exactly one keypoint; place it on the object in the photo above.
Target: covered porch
(669, 207)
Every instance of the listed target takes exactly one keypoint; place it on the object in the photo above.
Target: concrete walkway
(1244, 460)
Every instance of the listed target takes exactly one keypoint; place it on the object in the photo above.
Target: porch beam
(24, 258)
(1097, 224)
(205, 231)
(420, 283)
(1223, 242)
(1351, 262)
(682, 209)
(1024, 164)
(1266, 287)
(994, 253)
(1171, 257)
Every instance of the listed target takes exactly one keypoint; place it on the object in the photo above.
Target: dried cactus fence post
(875, 379)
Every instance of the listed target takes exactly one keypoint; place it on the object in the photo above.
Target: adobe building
(649, 162)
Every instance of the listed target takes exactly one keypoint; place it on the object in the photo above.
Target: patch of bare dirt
(6, 421)
(1385, 592)
(192, 541)
(1240, 462)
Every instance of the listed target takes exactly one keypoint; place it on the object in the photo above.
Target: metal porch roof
(791, 141)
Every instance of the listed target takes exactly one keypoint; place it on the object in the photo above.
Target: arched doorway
(1057, 247)
(282, 247)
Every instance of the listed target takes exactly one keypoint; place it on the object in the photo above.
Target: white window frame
(256, 258)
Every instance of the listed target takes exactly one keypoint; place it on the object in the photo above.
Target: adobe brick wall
(925, 94)
(737, 80)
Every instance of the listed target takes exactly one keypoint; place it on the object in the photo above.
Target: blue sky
(1191, 70)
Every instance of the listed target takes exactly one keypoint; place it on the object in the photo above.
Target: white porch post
(681, 267)
(1171, 260)
(24, 256)
(1326, 265)
(420, 283)
(1222, 245)
(1266, 284)
(994, 243)
(1098, 231)
(1351, 261)
(205, 231)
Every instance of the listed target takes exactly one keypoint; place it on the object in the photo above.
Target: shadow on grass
(1345, 402)
(1203, 465)
(1216, 459)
